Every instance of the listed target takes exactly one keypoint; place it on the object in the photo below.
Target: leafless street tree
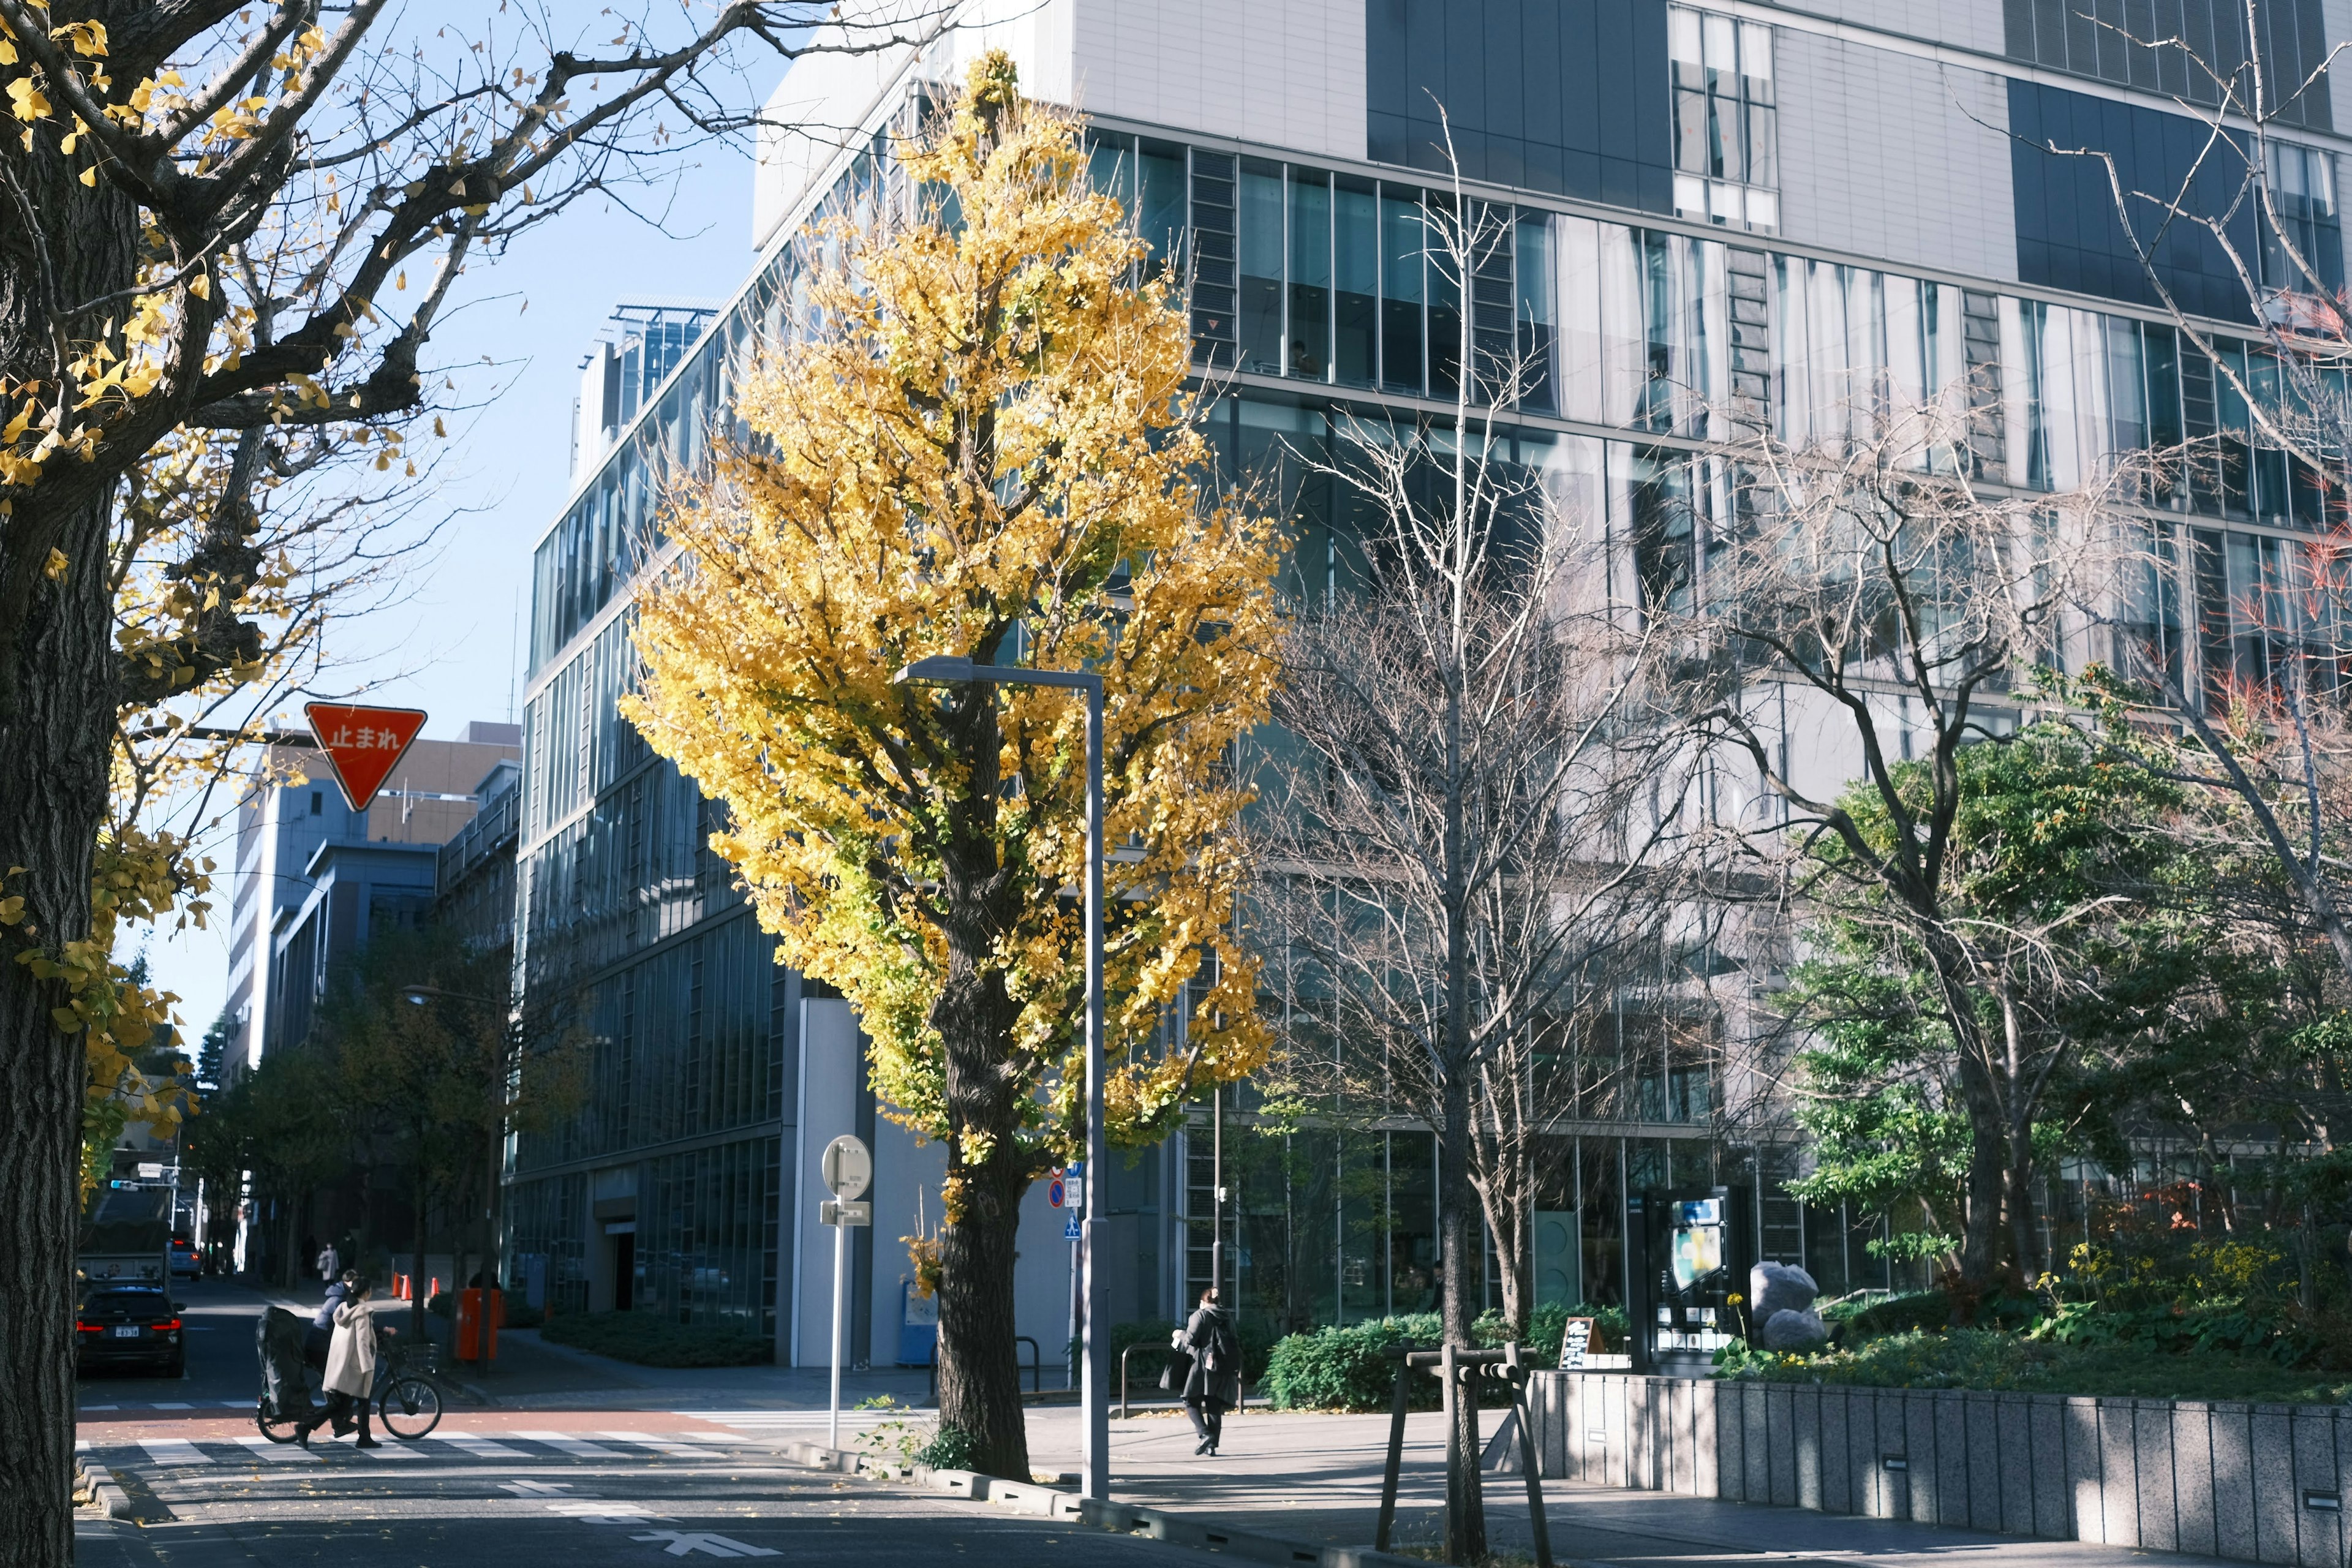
(1867, 612)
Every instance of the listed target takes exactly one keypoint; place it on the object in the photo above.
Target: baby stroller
(286, 1384)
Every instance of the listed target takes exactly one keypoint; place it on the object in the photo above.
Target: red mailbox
(473, 1343)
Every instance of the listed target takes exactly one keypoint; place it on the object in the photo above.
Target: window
(1725, 130)
(1357, 261)
(317, 802)
(1261, 258)
(2303, 192)
(1310, 274)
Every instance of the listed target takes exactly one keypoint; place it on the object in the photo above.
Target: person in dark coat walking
(320, 1335)
(1214, 1385)
(321, 1331)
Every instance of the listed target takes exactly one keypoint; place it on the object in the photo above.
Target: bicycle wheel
(276, 1427)
(409, 1408)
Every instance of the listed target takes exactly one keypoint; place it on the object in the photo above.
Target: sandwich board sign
(1576, 1343)
(363, 744)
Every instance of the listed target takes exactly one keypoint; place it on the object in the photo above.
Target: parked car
(123, 1326)
(185, 1264)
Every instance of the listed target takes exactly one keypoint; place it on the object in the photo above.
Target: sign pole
(840, 1318)
(846, 1167)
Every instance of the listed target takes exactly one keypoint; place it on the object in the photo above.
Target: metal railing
(1139, 1345)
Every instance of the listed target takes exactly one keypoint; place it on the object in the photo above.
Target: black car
(123, 1326)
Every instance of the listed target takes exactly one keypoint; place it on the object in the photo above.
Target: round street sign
(847, 1166)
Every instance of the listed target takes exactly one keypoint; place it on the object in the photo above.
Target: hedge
(652, 1340)
(1348, 1368)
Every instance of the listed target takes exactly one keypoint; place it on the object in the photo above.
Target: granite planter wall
(2259, 1483)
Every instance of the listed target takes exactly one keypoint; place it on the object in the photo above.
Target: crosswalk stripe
(567, 1443)
(174, 1451)
(283, 1453)
(170, 1405)
(479, 1447)
(660, 1445)
(385, 1447)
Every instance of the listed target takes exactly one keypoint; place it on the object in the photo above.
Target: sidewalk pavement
(1317, 1480)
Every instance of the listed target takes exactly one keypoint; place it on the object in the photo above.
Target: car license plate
(126, 1332)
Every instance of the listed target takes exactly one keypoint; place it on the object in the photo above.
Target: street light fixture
(1095, 1399)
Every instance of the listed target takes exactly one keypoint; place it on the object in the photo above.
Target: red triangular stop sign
(363, 744)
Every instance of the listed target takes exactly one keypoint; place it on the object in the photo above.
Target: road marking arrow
(682, 1544)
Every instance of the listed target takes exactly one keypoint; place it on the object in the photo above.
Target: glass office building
(1688, 209)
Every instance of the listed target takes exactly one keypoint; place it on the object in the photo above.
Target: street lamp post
(1095, 1399)
(492, 1247)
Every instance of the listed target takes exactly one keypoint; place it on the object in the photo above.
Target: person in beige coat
(350, 1368)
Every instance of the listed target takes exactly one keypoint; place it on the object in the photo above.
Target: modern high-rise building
(1800, 207)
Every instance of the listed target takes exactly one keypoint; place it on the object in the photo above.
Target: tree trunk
(1988, 1174)
(980, 1372)
(1464, 1292)
(58, 696)
(988, 1168)
(41, 1078)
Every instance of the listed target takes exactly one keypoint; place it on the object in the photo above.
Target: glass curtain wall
(1317, 279)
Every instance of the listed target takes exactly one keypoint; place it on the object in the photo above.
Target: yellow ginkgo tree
(979, 443)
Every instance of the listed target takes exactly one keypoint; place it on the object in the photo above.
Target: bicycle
(407, 1396)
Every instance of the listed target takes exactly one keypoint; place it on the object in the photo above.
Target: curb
(1126, 1519)
(112, 1500)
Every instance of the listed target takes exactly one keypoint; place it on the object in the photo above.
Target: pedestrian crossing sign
(1070, 1231)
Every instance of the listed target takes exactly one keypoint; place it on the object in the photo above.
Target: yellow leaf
(30, 104)
(55, 571)
(201, 286)
(89, 175)
(67, 1019)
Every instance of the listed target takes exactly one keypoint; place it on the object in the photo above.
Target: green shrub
(521, 1315)
(1547, 1327)
(652, 1340)
(1347, 1368)
(951, 1448)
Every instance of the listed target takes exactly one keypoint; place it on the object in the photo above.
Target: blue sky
(450, 645)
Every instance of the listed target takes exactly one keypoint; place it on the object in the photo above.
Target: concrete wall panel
(1981, 1453)
(2274, 1474)
(1894, 1438)
(2230, 1430)
(2089, 1521)
(1837, 1460)
(1706, 1464)
(2192, 1478)
(1780, 1447)
(2319, 1532)
(2118, 1472)
(2152, 1457)
(2011, 1462)
(2046, 1420)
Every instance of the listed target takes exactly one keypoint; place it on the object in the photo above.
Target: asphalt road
(586, 1489)
(443, 1503)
